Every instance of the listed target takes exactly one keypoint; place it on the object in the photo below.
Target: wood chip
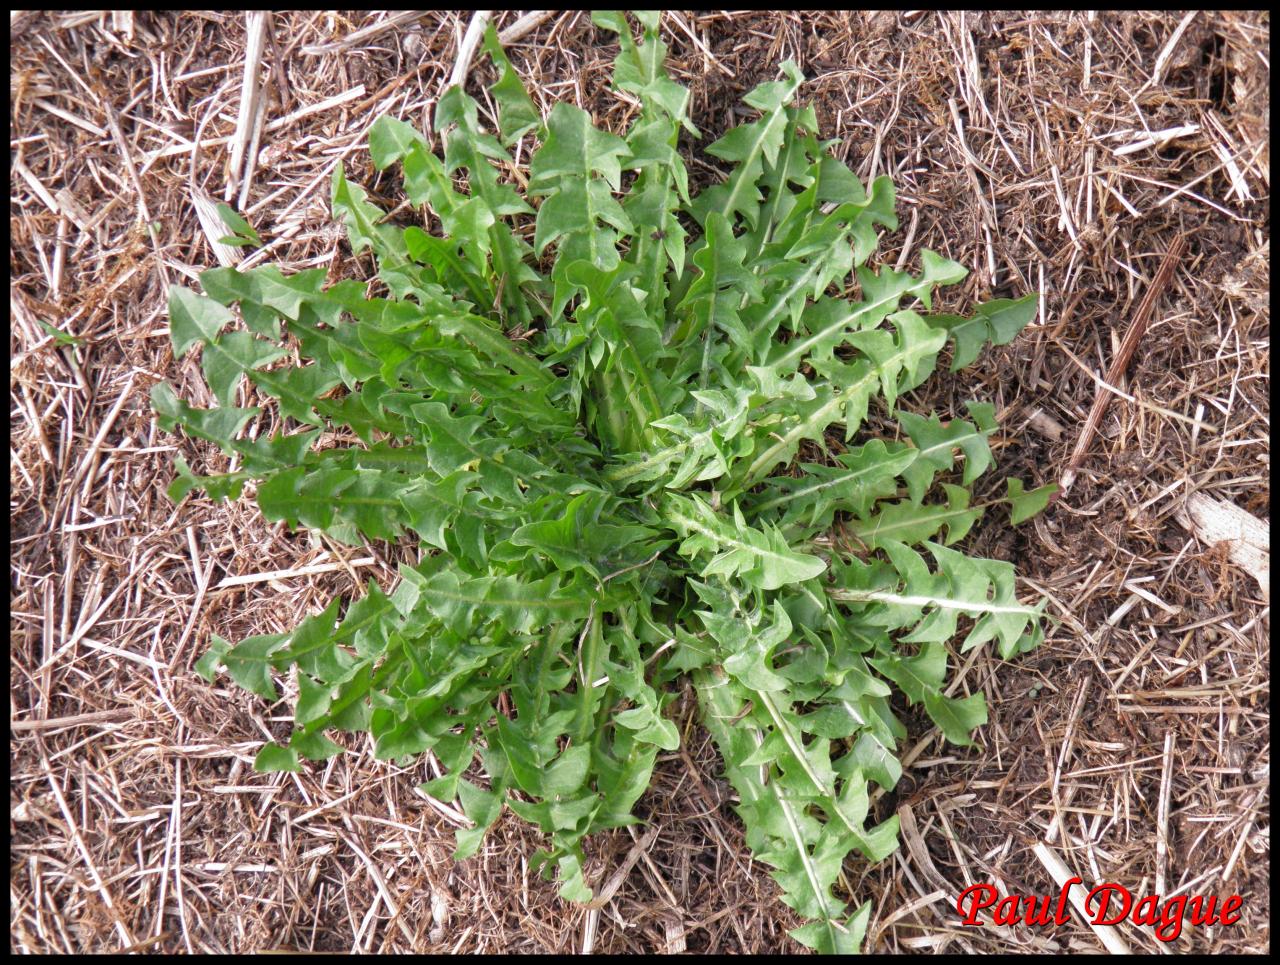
(1248, 538)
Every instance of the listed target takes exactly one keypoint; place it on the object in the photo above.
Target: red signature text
(1107, 904)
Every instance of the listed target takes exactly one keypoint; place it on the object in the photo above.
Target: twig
(278, 124)
(589, 924)
(70, 118)
(1157, 139)
(526, 24)
(75, 720)
(1055, 825)
(212, 226)
(259, 118)
(40, 190)
(1244, 835)
(657, 874)
(467, 48)
(1137, 328)
(327, 104)
(202, 586)
(254, 46)
(311, 570)
(697, 42)
(206, 208)
(364, 33)
(911, 236)
(1162, 813)
(88, 468)
(381, 884)
(606, 893)
(1109, 937)
(278, 74)
(1162, 59)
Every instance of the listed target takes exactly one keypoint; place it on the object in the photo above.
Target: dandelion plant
(626, 424)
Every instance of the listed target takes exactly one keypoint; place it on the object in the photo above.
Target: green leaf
(314, 747)
(517, 114)
(909, 595)
(194, 318)
(521, 606)
(467, 146)
(956, 718)
(835, 938)
(363, 219)
(478, 333)
(207, 665)
(274, 758)
(482, 807)
(937, 270)
(997, 322)
(390, 140)
(575, 148)
(759, 556)
(639, 68)
(1024, 505)
(937, 441)
(749, 147)
(59, 336)
(249, 663)
(231, 355)
(830, 322)
(809, 502)
(907, 522)
(581, 540)
(567, 773)
(242, 232)
(714, 301)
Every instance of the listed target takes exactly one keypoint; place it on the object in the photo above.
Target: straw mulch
(1062, 153)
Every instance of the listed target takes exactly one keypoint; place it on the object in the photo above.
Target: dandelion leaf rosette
(625, 424)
